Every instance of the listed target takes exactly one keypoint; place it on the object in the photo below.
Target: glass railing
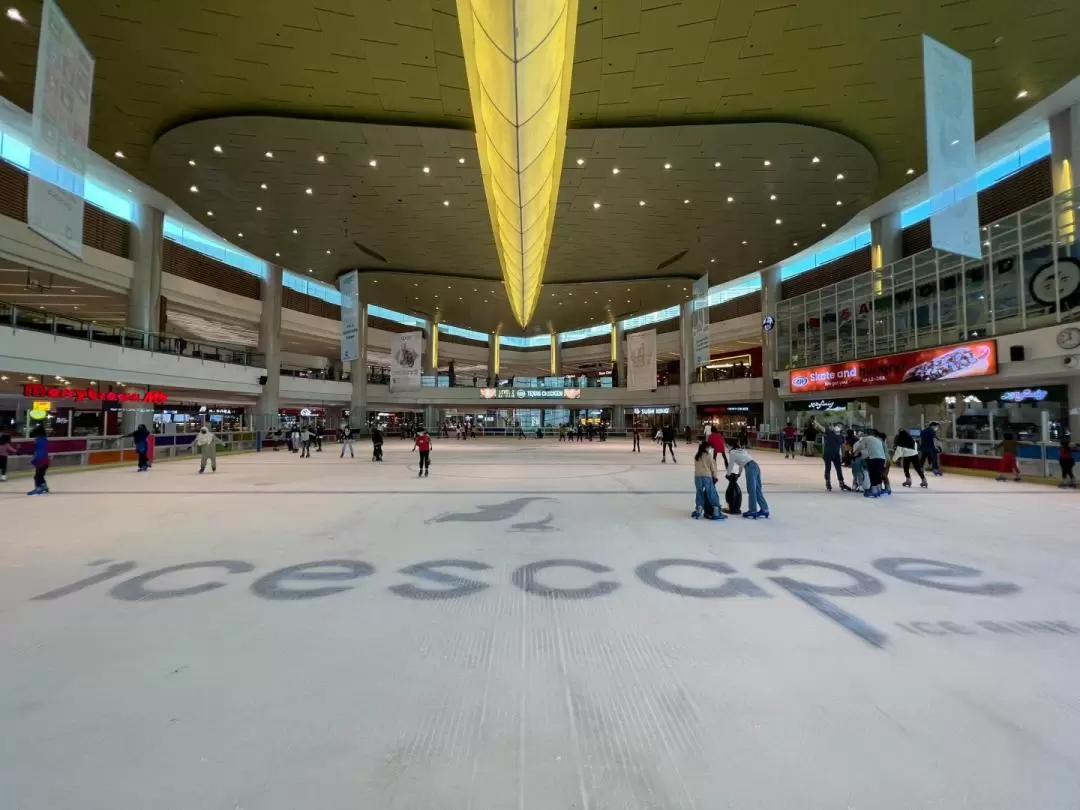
(39, 320)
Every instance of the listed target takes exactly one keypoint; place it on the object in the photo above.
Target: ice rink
(535, 626)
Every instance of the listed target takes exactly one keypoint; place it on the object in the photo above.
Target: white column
(1065, 148)
(893, 412)
(618, 417)
(687, 411)
(269, 401)
(555, 356)
(773, 408)
(427, 361)
(358, 373)
(144, 297)
(493, 356)
(886, 240)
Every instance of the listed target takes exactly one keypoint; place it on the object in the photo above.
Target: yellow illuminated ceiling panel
(519, 58)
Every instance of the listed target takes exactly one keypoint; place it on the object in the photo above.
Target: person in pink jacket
(7, 448)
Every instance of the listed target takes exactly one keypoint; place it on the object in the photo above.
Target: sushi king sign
(975, 359)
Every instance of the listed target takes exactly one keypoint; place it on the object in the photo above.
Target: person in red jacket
(789, 433)
(422, 443)
(716, 442)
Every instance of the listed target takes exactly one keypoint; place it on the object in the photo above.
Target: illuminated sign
(43, 406)
(978, 359)
(530, 393)
(651, 411)
(1036, 394)
(826, 405)
(89, 394)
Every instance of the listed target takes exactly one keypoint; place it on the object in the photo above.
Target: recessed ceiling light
(794, 244)
(641, 202)
(427, 170)
(258, 208)
(218, 149)
(581, 161)
(373, 163)
(685, 202)
(768, 163)
(815, 159)
(308, 191)
(191, 163)
(744, 241)
(779, 221)
(309, 270)
(759, 261)
(446, 202)
(263, 186)
(840, 176)
(277, 255)
(295, 231)
(328, 252)
(320, 158)
(910, 171)
(194, 189)
(596, 205)
(731, 199)
(269, 154)
(209, 213)
(15, 15)
(120, 154)
(717, 165)
(614, 169)
(823, 225)
(712, 260)
(1022, 94)
(772, 196)
(240, 235)
(667, 165)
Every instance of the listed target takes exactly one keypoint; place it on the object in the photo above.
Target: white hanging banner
(349, 285)
(406, 349)
(641, 361)
(950, 150)
(700, 321)
(62, 92)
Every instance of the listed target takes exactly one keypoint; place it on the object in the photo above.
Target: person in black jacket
(833, 443)
(376, 444)
(142, 446)
(667, 438)
(909, 455)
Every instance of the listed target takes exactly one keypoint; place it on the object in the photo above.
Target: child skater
(706, 501)
(733, 495)
(1008, 459)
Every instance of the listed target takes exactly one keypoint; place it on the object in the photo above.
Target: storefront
(1033, 414)
(65, 411)
(651, 417)
(730, 419)
(849, 412)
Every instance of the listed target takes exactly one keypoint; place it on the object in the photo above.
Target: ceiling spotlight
(596, 205)
(794, 244)
(258, 208)
(327, 252)
(240, 235)
(309, 270)
(373, 163)
(119, 154)
(614, 169)
(581, 161)
(308, 191)
(779, 221)
(731, 199)
(427, 170)
(815, 159)
(461, 161)
(685, 202)
(744, 241)
(839, 202)
(1022, 94)
(15, 15)
(295, 231)
(768, 163)
(910, 172)
(759, 261)
(277, 255)
(446, 202)
(191, 163)
(840, 176)
(641, 202)
(712, 260)
(194, 189)
(320, 158)
(717, 165)
(263, 186)
(667, 165)
(218, 149)
(209, 213)
(269, 154)
(823, 225)
(772, 197)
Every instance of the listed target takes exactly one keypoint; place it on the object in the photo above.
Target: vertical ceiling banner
(641, 361)
(519, 56)
(950, 150)
(349, 285)
(701, 321)
(62, 92)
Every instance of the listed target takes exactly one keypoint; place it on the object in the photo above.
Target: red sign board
(90, 395)
(976, 359)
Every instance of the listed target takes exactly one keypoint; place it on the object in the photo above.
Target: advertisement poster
(950, 150)
(701, 322)
(62, 93)
(975, 359)
(641, 361)
(406, 351)
(349, 285)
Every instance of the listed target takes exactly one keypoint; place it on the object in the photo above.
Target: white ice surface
(502, 699)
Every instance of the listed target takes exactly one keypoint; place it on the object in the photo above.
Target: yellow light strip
(614, 343)
(519, 55)
(435, 345)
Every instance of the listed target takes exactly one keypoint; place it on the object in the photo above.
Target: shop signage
(89, 394)
(976, 359)
(43, 406)
(530, 393)
(1036, 394)
(718, 409)
(651, 411)
(826, 405)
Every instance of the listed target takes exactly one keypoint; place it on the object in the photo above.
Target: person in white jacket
(206, 446)
(758, 507)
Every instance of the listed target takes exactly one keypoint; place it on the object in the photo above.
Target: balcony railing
(62, 326)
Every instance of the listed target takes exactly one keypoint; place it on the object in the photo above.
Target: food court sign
(976, 359)
(530, 393)
(90, 395)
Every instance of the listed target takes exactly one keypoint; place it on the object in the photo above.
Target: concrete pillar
(618, 417)
(429, 362)
(144, 297)
(358, 373)
(618, 353)
(1074, 407)
(432, 422)
(687, 411)
(555, 356)
(493, 355)
(886, 240)
(269, 401)
(1065, 148)
(893, 413)
(770, 297)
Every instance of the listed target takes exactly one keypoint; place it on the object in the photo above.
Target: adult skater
(667, 439)
(7, 448)
(423, 445)
(810, 437)
(872, 450)
(928, 447)
(908, 455)
(1009, 465)
(706, 501)
(787, 439)
(717, 445)
(690, 436)
(833, 443)
(305, 442)
(635, 432)
(40, 461)
(206, 446)
(1065, 460)
(757, 506)
(346, 441)
(294, 439)
(376, 444)
(142, 446)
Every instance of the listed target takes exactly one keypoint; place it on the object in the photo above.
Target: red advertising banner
(89, 394)
(976, 359)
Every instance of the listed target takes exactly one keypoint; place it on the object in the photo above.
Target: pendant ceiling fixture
(519, 55)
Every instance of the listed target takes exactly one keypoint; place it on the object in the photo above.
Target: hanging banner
(349, 285)
(701, 322)
(641, 361)
(62, 92)
(406, 349)
(950, 150)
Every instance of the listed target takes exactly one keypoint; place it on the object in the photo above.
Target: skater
(635, 431)
(733, 495)
(886, 487)
(787, 440)
(810, 435)
(872, 451)
(7, 448)
(706, 501)
(142, 446)
(690, 436)
(1065, 459)
(346, 441)
(294, 440)
(376, 444)
(716, 443)
(929, 448)
(318, 438)
(908, 456)
(832, 442)
(758, 507)
(305, 442)
(40, 461)
(1009, 466)
(206, 445)
(423, 445)
(667, 440)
